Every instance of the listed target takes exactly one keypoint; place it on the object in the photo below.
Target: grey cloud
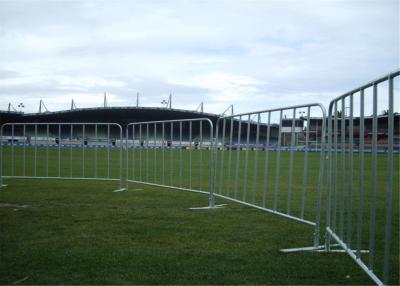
(7, 74)
(152, 91)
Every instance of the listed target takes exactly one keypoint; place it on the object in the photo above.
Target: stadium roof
(121, 115)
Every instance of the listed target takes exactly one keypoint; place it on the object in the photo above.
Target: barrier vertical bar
(214, 151)
(133, 152)
(291, 162)
(155, 153)
(221, 176)
(351, 166)
(190, 155)
(212, 168)
(180, 153)
(278, 164)
(238, 157)
(108, 151)
(83, 150)
(141, 145)
(266, 162)
(12, 150)
(95, 150)
(47, 150)
(389, 187)
(163, 153)
(374, 182)
(320, 181)
(343, 172)
(255, 167)
(329, 182)
(24, 152)
(305, 162)
(70, 149)
(360, 178)
(228, 191)
(246, 159)
(171, 162)
(59, 150)
(147, 152)
(335, 164)
(35, 172)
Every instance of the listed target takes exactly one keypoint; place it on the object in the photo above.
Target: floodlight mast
(137, 99)
(41, 103)
(20, 106)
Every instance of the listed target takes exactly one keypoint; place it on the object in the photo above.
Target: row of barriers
(278, 160)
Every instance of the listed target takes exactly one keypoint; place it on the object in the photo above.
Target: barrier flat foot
(303, 249)
(119, 190)
(208, 208)
(343, 251)
(320, 248)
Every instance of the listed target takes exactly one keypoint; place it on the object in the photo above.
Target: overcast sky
(253, 54)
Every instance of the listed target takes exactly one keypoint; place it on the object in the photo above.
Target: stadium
(125, 115)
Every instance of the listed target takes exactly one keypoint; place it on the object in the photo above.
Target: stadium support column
(10, 106)
(230, 107)
(200, 107)
(41, 103)
(105, 100)
(73, 105)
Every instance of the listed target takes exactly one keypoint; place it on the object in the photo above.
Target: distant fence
(61, 150)
(359, 211)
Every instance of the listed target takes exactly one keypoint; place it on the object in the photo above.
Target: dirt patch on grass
(6, 205)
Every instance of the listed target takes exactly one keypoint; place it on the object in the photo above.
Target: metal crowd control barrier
(61, 151)
(175, 154)
(256, 155)
(362, 125)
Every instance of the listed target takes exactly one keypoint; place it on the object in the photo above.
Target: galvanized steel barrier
(176, 154)
(61, 151)
(359, 211)
(256, 154)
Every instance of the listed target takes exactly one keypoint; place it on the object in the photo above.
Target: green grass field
(79, 232)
